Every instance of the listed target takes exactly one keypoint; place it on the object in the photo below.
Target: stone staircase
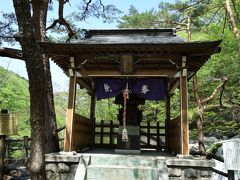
(93, 166)
(121, 167)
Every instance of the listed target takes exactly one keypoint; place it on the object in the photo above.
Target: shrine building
(132, 66)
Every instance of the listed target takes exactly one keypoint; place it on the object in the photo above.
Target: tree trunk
(40, 9)
(231, 19)
(201, 115)
(35, 68)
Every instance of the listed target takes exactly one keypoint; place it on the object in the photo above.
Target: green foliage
(138, 20)
(14, 96)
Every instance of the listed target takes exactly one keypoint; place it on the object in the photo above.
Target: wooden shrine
(132, 54)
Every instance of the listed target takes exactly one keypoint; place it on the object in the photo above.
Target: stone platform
(109, 166)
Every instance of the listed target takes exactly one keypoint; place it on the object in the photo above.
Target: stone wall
(188, 173)
(61, 171)
(62, 166)
(194, 168)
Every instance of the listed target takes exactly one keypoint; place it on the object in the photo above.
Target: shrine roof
(130, 36)
(154, 52)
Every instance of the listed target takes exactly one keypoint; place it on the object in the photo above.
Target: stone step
(125, 160)
(118, 172)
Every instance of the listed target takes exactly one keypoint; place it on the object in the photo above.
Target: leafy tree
(31, 18)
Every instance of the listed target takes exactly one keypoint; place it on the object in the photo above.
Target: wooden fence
(152, 135)
(20, 145)
(82, 133)
(174, 135)
(106, 133)
(18, 148)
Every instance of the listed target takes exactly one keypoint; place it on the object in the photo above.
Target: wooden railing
(20, 145)
(174, 135)
(82, 133)
(106, 133)
(153, 135)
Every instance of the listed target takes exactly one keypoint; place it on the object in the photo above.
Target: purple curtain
(147, 88)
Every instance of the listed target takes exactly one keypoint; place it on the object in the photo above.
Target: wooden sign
(231, 154)
(8, 124)
(126, 64)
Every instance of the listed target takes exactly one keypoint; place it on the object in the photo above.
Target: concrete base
(127, 151)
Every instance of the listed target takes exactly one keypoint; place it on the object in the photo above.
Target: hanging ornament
(125, 97)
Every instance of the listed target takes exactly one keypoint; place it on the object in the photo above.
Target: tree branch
(195, 87)
(235, 9)
(225, 20)
(213, 17)
(86, 9)
(61, 20)
(224, 81)
(11, 53)
(7, 37)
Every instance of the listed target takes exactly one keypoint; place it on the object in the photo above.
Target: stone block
(206, 173)
(190, 162)
(52, 167)
(191, 173)
(174, 172)
(63, 168)
(162, 169)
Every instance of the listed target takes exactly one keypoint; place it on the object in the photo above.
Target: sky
(60, 81)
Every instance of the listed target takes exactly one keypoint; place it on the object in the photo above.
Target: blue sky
(60, 81)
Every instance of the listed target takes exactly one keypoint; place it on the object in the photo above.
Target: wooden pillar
(93, 107)
(70, 110)
(92, 117)
(184, 113)
(168, 118)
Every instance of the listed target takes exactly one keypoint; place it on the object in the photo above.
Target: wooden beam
(184, 114)
(139, 73)
(168, 118)
(174, 86)
(84, 84)
(70, 113)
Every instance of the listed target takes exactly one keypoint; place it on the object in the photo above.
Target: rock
(6, 177)
(52, 167)
(208, 141)
(15, 173)
(191, 173)
(174, 172)
(206, 173)
(52, 176)
(63, 168)
(193, 147)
